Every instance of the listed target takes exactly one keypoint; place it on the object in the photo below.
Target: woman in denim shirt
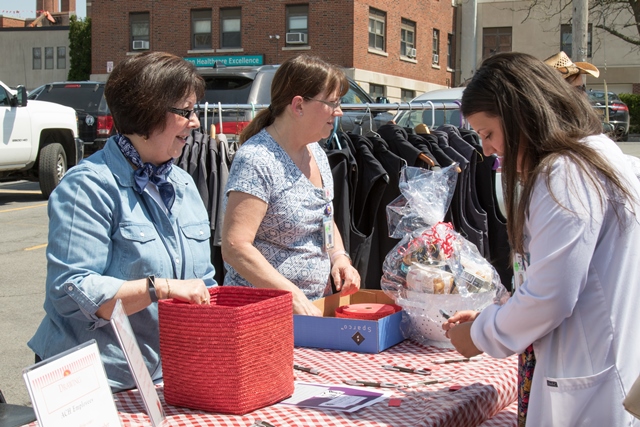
(125, 224)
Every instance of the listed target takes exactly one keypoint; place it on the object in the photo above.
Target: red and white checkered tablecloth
(488, 386)
(507, 417)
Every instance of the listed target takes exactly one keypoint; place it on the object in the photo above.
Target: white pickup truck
(39, 139)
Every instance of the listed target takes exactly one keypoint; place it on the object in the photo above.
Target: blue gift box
(362, 336)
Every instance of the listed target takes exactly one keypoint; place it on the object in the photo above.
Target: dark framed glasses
(182, 112)
(332, 105)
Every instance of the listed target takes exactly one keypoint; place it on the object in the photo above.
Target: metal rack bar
(398, 106)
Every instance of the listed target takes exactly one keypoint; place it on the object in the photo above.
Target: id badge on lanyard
(519, 271)
(327, 226)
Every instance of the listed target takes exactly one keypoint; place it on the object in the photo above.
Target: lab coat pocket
(584, 400)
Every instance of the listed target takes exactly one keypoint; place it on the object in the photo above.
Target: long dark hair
(542, 118)
(303, 75)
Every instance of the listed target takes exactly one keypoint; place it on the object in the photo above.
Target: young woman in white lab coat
(572, 205)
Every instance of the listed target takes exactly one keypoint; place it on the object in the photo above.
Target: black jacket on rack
(207, 160)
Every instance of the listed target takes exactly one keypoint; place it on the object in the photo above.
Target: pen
(444, 314)
(408, 370)
(458, 359)
(313, 371)
(371, 383)
(428, 382)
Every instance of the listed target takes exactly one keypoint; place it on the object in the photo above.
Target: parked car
(39, 139)
(445, 109)
(618, 112)
(95, 123)
(252, 85)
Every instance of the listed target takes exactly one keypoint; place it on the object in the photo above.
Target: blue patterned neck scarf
(148, 172)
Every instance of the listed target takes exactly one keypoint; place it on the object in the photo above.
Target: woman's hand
(461, 339)
(345, 277)
(192, 291)
(302, 305)
(459, 317)
(458, 329)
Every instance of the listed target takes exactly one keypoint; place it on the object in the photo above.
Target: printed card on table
(334, 397)
(71, 389)
(129, 344)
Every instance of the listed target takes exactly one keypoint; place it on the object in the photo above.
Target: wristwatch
(151, 284)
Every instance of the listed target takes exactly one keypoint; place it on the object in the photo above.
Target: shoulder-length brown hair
(303, 75)
(543, 118)
(141, 88)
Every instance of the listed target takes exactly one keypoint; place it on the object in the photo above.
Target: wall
(539, 35)
(338, 32)
(16, 51)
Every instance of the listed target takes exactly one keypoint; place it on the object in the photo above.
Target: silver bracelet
(337, 254)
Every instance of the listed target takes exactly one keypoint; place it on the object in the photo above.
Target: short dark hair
(142, 87)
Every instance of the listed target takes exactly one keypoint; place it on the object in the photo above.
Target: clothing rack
(219, 109)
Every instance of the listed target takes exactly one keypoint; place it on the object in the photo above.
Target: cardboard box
(362, 336)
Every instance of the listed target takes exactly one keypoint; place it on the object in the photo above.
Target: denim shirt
(103, 233)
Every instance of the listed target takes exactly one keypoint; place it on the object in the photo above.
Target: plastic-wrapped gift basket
(433, 271)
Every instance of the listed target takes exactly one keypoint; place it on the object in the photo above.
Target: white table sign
(71, 389)
(129, 344)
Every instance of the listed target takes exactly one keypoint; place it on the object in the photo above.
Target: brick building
(393, 48)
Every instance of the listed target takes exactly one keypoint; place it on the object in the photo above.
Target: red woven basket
(233, 356)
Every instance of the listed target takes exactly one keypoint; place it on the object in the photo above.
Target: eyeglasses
(333, 105)
(182, 112)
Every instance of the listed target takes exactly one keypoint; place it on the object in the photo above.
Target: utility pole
(580, 30)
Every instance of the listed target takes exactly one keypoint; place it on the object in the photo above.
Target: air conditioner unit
(411, 52)
(140, 44)
(296, 38)
(435, 58)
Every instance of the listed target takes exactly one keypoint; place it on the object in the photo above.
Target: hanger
(333, 138)
(422, 129)
(206, 111)
(433, 114)
(371, 132)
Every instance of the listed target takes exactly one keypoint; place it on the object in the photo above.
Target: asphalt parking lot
(23, 240)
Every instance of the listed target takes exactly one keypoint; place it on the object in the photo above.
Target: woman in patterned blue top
(278, 227)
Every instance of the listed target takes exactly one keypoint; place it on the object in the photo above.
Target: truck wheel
(52, 167)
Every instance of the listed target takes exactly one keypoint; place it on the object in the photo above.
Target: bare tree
(613, 16)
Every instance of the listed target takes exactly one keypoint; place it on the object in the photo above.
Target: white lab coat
(579, 303)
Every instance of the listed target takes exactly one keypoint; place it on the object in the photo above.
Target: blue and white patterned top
(290, 236)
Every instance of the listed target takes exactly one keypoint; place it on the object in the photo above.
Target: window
(139, 30)
(297, 22)
(436, 47)
(37, 58)
(495, 40)
(48, 58)
(376, 91)
(377, 23)
(230, 36)
(61, 58)
(450, 51)
(407, 95)
(566, 40)
(407, 38)
(4, 99)
(201, 29)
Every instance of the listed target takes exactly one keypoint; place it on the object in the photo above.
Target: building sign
(227, 61)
